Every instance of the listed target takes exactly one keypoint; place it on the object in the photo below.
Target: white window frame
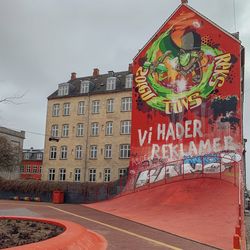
(108, 151)
(65, 130)
(51, 174)
(80, 129)
(81, 108)
(84, 89)
(66, 109)
(63, 89)
(34, 169)
(94, 129)
(96, 107)
(79, 152)
(126, 127)
(107, 175)
(109, 128)
(56, 109)
(92, 175)
(26, 156)
(126, 104)
(54, 130)
(39, 156)
(111, 83)
(64, 152)
(129, 81)
(77, 175)
(62, 174)
(124, 151)
(110, 106)
(93, 152)
(52, 153)
(28, 169)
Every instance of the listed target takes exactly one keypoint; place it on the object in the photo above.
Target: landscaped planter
(74, 237)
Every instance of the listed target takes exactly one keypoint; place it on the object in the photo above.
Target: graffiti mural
(186, 99)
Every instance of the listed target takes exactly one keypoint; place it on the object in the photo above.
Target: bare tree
(9, 158)
(12, 99)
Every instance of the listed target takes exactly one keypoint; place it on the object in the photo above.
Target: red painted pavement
(204, 210)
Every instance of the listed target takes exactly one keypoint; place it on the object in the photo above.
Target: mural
(186, 99)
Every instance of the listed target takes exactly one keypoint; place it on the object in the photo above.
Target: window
(94, 129)
(51, 176)
(111, 83)
(125, 127)
(39, 156)
(81, 108)
(79, 129)
(54, 131)
(63, 89)
(65, 130)
(109, 128)
(93, 152)
(110, 105)
(55, 110)
(66, 108)
(28, 169)
(124, 151)
(108, 151)
(26, 156)
(21, 169)
(52, 153)
(92, 175)
(126, 104)
(40, 169)
(129, 81)
(84, 87)
(64, 152)
(77, 174)
(95, 107)
(62, 174)
(122, 172)
(78, 152)
(107, 174)
(34, 169)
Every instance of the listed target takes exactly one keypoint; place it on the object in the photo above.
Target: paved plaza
(120, 233)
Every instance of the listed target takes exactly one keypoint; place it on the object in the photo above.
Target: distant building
(88, 128)
(16, 139)
(31, 166)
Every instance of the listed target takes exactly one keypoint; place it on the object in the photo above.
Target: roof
(12, 132)
(97, 85)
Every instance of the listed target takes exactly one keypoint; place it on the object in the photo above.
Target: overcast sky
(42, 42)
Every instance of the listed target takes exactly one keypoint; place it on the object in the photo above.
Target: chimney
(73, 76)
(95, 72)
(130, 68)
(184, 1)
(111, 73)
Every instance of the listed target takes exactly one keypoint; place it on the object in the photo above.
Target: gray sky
(42, 42)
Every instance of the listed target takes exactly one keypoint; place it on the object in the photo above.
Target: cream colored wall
(86, 141)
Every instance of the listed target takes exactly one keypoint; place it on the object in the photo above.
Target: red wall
(186, 93)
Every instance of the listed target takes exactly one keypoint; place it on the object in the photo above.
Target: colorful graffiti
(186, 97)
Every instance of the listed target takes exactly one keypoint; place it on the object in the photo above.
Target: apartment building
(31, 166)
(88, 128)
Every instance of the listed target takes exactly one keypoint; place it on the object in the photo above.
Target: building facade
(16, 139)
(88, 128)
(31, 166)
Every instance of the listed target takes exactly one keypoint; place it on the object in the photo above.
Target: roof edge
(199, 14)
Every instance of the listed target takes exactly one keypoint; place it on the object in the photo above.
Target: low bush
(39, 187)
